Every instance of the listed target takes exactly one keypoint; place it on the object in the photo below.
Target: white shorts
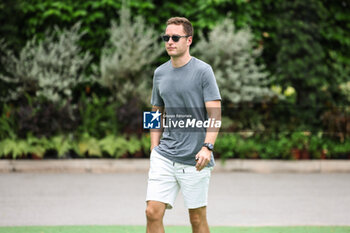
(166, 178)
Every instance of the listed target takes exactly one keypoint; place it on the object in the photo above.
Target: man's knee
(198, 217)
(154, 212)
(196, 220)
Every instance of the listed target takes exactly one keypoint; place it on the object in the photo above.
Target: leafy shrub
(23, 148)
(298, 35)
(233, 58)
(225, 145)
(146, 144)
(88, 146)
(64, 145)
(14, 148)
(345, 89)
(248, 149)
(125, 60)
(8, 127)
(281, 147)
(48, 69)
(45, 119)
(340, 150)
(97, 116)
(275, 148)
(61, 144)
(35, 16)
(129, 115)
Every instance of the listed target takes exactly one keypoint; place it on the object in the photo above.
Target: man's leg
(194, 186)
(155, 212)
(198, 218)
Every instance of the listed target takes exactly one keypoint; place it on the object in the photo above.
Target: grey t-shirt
(184, 89)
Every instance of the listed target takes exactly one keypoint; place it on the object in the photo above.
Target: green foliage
(114, 146)
(94, 16)
(248, 149)
(299, 140)
(48, 69)
(243, 146)
(118, 146)
(62, 144)
(88, 146)
(98, 116)
(345, 89)
(225, 145)
(134, 145)
(7, 122)
(338, 150)
(44, 119)
(146, 144)
(300, 52)
(15, 148)
(9, 28)
(336, 42)
(233, 58)
(37, 146)
(280, 147)
(125, 60)
(276, 148)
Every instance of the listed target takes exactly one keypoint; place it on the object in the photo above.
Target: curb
(142, 165)
(280, 166)
(74, 166)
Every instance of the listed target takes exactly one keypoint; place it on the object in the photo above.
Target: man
(181, 159)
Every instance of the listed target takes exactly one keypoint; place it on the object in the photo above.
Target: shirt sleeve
(210, 87)
(156, 99)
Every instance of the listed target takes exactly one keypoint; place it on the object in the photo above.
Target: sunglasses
(166, 38)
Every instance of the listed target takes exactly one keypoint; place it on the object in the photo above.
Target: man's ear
(189, 41)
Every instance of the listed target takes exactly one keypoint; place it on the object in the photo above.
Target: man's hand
(203, 158)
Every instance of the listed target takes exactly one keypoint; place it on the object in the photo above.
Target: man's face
(177, 49)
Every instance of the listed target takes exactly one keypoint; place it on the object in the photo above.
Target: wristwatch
(209, 146)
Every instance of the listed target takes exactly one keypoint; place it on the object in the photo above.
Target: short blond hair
(186, 24)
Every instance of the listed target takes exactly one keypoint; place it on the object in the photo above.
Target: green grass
(172, 229)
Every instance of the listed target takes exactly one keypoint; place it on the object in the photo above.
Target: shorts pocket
(193, 169)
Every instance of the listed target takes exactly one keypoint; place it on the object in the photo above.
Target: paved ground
(246, 199)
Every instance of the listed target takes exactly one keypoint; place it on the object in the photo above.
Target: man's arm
(214, 112)
(156, 133)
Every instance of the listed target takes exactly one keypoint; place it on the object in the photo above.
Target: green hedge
(66, 146)
(271, 21)
(299, 145)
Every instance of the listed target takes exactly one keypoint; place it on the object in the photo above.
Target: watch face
(209, 146)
